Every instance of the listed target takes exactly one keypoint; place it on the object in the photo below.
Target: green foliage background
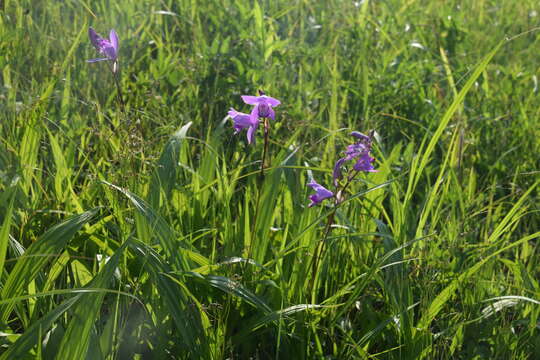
(133, 235)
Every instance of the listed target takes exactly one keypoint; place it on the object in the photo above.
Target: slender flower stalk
(360, 152)
(109, 48)
(262, 110)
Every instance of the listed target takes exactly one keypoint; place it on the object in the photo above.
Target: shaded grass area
(132, 233)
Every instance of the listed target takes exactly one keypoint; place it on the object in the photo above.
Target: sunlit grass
(147, 231)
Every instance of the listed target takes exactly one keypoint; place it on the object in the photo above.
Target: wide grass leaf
(75, 342)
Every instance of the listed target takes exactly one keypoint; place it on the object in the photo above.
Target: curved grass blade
(277, 316)
(445, 295)
(37, 255)
(31, 336)
(165, 173)
(234, 288)
(181, 305)
(151, 224)
(76, 339)
(4, 233)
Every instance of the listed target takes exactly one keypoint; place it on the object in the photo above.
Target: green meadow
(135, 223)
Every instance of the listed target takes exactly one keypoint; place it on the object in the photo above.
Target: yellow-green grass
(147, 232)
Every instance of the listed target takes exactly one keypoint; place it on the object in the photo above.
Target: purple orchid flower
(321, 193)
(359, 151)
(263, 105)
(244, 121)
(109, 48)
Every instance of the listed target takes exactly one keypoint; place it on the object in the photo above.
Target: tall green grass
(149, 233)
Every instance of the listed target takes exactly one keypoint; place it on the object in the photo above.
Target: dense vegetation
(146, 230)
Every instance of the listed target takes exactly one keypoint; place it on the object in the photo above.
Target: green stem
(119, 96)
(319, 251)
(259, 190)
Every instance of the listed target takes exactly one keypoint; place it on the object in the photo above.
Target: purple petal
(96, 60)
(94, 37)
(360, 136)
(244, 121)
(241, 120)
(271, 101)
(113, 37)
(321, 193)
(336, 173)
(271, 113)
(110, 52)
(364, 163)
(232, 113)
(255, 114)
(252, 130)
(355, 149)
(251, 100)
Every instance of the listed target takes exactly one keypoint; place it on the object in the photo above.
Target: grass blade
(38, 255)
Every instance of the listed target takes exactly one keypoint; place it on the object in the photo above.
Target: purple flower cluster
(360, 152)
(109, 48)
(263, 108)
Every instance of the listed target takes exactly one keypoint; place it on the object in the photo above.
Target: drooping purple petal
(255, 113)
(271, 113)
(244, 121)
(96, 60)
(241, 122)
(252, 130)
(233, 113)
(321, 193)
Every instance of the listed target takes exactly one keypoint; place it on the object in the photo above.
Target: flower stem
(266, 141)
(319, 251)
(119, 96)
(260, 188)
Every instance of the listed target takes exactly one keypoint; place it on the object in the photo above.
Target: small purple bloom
(364, 163)
(263, 105)
(244, 121)
(321, 193)
(109, 48)
(359, 151)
